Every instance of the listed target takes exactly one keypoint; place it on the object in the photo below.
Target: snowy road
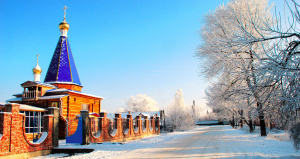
(201, 142)
(207, 143)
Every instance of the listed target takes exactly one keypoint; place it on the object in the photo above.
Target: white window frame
(34, 116)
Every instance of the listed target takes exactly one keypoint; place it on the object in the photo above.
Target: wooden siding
(72, 105)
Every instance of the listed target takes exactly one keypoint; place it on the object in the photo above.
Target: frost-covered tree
(122, 110)
(229, 56)
(253, 59)
(179, 99)
(141, 103)
(177, 117)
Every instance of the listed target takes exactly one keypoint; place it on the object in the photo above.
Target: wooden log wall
(71, 107)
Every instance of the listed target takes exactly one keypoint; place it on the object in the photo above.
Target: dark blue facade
(62, 67)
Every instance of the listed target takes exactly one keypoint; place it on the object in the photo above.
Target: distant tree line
(177, 116)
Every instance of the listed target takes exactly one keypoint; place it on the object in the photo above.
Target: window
(33, 121)
(84, 106)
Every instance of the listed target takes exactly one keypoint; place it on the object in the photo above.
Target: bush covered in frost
(295, 135)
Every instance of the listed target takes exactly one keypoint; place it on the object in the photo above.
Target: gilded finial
(37, 68)
(64, 25)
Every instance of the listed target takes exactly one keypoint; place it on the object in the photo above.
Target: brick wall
(119, 134)
(13, 138)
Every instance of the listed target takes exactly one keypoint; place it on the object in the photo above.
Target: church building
(61, 88)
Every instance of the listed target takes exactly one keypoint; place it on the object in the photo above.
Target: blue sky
(121, 48)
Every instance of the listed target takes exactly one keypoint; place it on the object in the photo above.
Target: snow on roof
(58, 90)
(24, 107)
(68, 90)
(19, 99)
(2, 105)
(88, 94)
(53, 97)
(44, 84)
(18, 94)
(64, 83)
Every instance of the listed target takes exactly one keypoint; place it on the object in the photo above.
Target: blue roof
(62, 68)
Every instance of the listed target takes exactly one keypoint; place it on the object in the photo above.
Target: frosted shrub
(295, 135)
(177, 117)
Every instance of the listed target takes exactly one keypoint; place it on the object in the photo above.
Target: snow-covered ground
(277, 144)
(206, 142)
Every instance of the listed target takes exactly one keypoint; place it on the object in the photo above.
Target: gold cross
(65, 8)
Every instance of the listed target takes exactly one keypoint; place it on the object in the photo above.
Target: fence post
(55, 131)
(157, 125)
(85, 127)
(129, 125)
(152, 120)
(104, 125)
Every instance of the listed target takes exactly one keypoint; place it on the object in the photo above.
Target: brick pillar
(146, 124)
(103, 117)
(152, 125)
(118, 117)
(16, 127)
(13, 108)
(5, 130)
(103, 114)
(55, 134)
(48, 125)
(129, 116)
(101, 123)
(119, 125)
(11, 128)
(85, 127)
(139, 124)
(129, 124)
(157, 124)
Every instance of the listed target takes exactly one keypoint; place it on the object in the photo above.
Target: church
(61, 88)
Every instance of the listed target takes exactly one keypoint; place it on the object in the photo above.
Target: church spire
(62, 68)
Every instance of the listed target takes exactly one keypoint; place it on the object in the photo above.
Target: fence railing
(31, 94)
